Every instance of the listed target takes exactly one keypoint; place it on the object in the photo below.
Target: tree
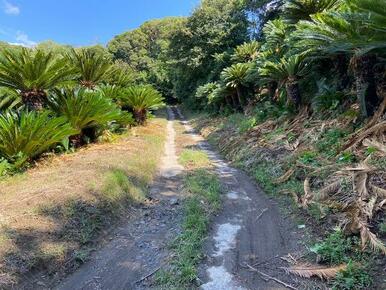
(91, 65)
(141, 99)
(246, 52)
(145, 50)
(85, 111)
(31, 72)
(214, 27)
(287, 71)
(236, 77)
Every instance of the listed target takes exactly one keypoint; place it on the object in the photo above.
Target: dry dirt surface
(249, 240)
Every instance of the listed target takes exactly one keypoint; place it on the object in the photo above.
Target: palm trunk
(77, 140)
(239, 96)
(228, 102)
(33, 99)
(234, 102)
(342, 67)
(140, 116)
(365, 84)
(293, 91)
(272, 86)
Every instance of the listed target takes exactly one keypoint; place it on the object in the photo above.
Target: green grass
(191, 158)
(203, 189)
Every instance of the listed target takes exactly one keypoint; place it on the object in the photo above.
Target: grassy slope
(267, 152)
(51, 216)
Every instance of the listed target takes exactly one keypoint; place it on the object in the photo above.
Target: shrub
(141, 99)
(354, 277)
(335, 248)
(26, 135)
(86, 111)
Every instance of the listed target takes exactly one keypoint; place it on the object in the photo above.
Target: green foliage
(145, 51)
(9, 99)
(92, 66)
(141, 99)
(236, 75)
(215, 27)
(308, 157)
(327, 97)
(331, 141)
(335, 248)
(356, 276)
(26, 135)
(295, 10)
(287, 67)
(84, 109)
(246, 52)
(33, 69)
(5, 166)
(382, 228)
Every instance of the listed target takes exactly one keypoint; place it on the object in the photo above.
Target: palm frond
(26, 135)
(308, 271)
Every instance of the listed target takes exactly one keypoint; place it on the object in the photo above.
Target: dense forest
(292, 91)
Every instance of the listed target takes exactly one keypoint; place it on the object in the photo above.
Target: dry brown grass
(37, 207)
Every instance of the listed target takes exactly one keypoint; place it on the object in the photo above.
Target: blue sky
(80, 22)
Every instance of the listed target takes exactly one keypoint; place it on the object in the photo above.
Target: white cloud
(10, 8)
(22, 39)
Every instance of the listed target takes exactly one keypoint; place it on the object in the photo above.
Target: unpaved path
(249, 233)
(139, 247)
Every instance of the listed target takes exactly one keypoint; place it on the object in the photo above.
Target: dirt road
(249, 233)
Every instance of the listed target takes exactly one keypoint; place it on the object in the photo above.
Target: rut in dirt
(139, 246)
(250, 232)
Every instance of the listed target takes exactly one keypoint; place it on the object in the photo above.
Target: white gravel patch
(220, 279)
(225, 238)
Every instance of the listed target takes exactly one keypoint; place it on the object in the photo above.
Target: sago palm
(287, 71)
(275, 33)
(141, 99)
(9, 99)
(26, 135)
(31, 72)
(357, 34)
(296, 10)
(93, 67)
(236, 77)
(85, 111)
(246, 52)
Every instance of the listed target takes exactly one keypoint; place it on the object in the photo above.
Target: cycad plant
(26, 135)
(9, 99)
(296, 10)
(92, 67)
(236, 77)
(358, 34)
(287, 71)
(141, 99)
(86, 111)
(31, 72)
(246, 52)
